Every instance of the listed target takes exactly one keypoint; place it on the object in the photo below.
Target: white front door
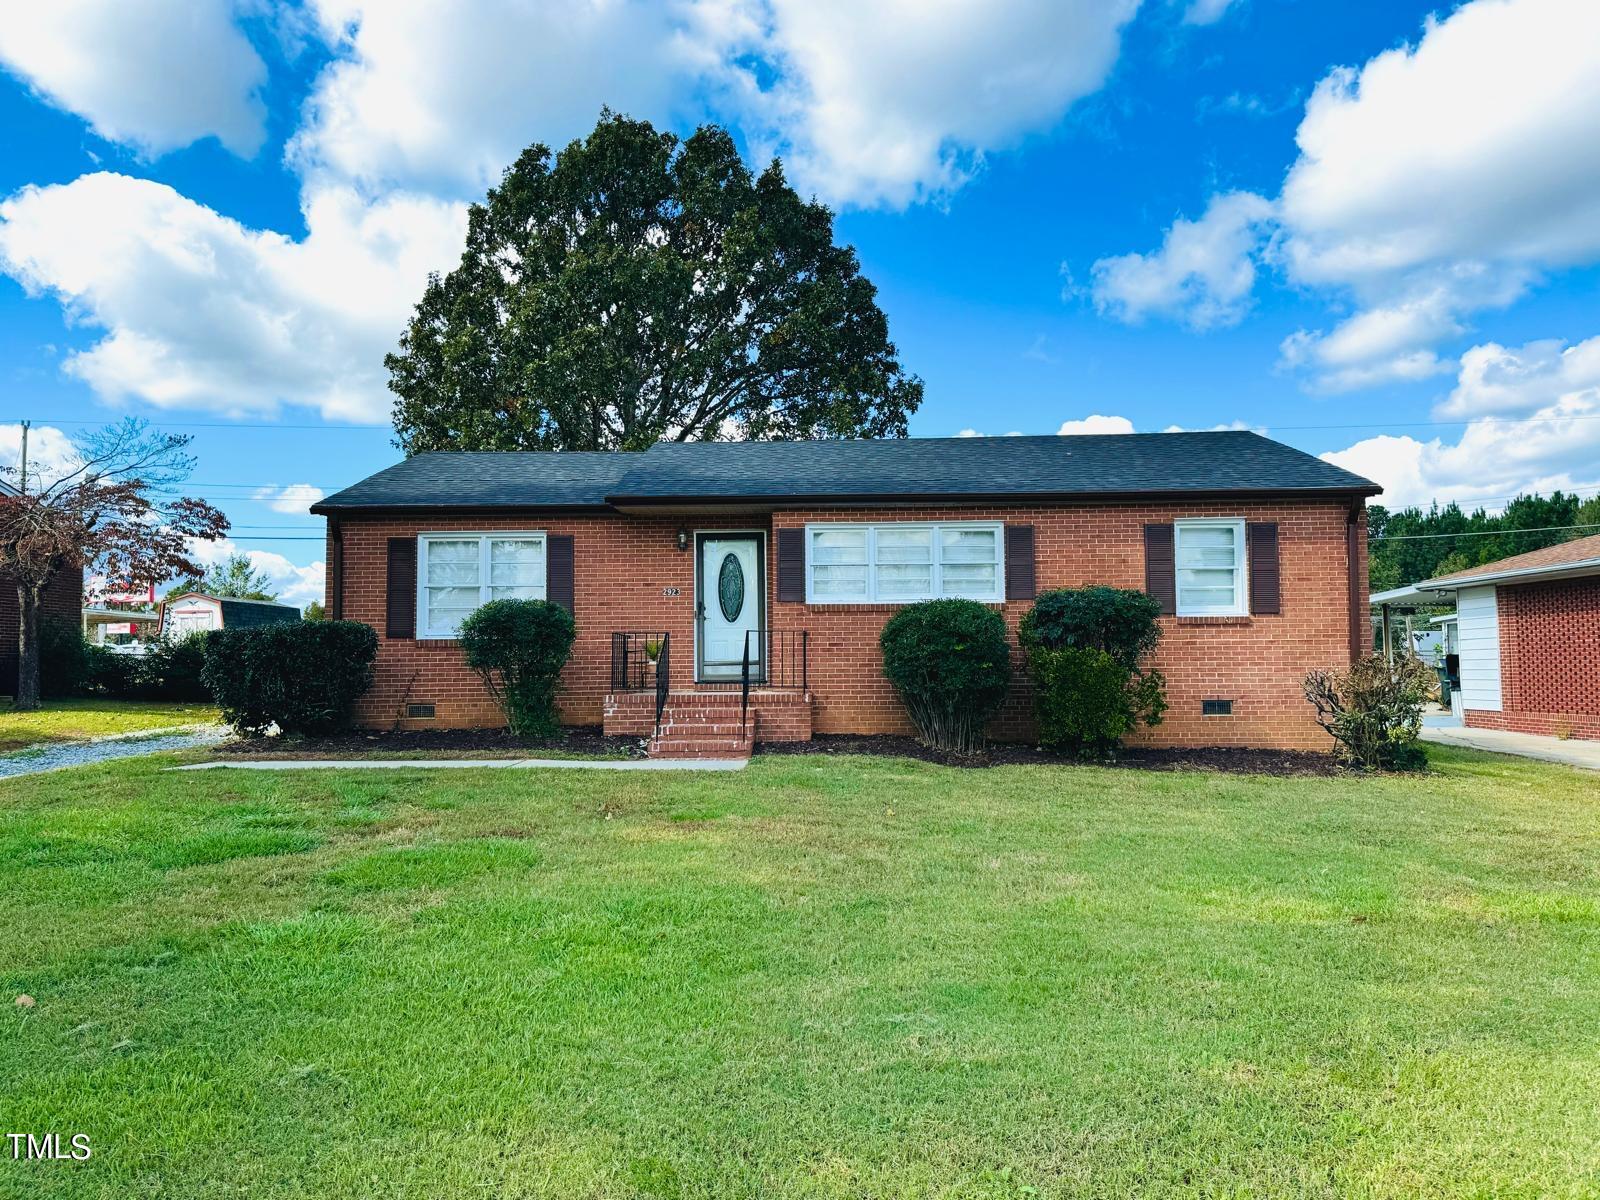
(730, 588)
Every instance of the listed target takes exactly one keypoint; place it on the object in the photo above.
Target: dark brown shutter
(400, 609)
(1021, 579)
(1160, 575)
(1262, 539)
(558, 581)
(792, 565)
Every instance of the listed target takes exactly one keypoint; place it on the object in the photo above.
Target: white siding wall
(1478, 619)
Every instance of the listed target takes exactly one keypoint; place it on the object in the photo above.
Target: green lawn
(822, 977)
(70, 720)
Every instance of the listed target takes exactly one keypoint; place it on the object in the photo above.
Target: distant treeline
(1397, 556)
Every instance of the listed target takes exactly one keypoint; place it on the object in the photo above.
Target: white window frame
(1241, 570)
(483, 537)
(936, 573)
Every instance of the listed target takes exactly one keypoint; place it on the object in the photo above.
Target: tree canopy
(1410, 545)
(107, 509)
(638, 287)
(234, 576)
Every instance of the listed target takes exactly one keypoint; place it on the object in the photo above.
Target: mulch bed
(588, 740)
(463, 743)
(1007, 754)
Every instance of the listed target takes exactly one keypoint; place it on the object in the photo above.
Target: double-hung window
(903, 562)
(1210, 561)
(456, 572)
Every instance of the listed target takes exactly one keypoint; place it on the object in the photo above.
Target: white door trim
(759, 536)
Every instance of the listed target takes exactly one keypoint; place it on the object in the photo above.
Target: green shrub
(112, 674)
(949, 661)
(173, 669)
(301, 676)
(518, 648)
(1085, 701)
(1083, 647)
(1373, 711)
(1119, 621)
(63, 659)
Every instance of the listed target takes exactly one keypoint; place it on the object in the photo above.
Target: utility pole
(24, 488)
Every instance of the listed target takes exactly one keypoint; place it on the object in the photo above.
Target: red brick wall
(63, 601)
(1257, 662)
(624, 562)
(1549, 659)
(622, 565)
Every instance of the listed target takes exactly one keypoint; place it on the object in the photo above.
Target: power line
(1277, 428)
(208, 424)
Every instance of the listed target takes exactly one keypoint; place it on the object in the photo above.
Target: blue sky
(1370, 229)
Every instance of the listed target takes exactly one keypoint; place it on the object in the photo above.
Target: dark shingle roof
(777, 472)
(488, 479)
(245, 614)
(1103, 464)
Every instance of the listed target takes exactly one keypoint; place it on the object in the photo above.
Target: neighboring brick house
(63, 601)
(1529, 637)
(800, 552)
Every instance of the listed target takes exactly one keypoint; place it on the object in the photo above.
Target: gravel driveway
(127, 745)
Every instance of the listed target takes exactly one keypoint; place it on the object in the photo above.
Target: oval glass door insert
(730, 588)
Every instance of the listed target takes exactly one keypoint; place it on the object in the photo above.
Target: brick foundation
(774, 716)
(626, 564)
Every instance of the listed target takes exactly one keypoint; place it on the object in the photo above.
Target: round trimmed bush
(301, 676)
(949, 661)
(518, 648)
(1119, 621)
(1083, 647)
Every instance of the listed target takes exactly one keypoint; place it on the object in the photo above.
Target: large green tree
(1409, 545)
(638, 287)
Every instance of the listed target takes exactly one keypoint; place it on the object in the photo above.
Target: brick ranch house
(1528, 629)
(780, 562)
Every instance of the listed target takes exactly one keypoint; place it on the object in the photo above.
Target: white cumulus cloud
(1436, 181)
(155, 75)
(1202, 274)
(290, 582)
(1534, 427)
(869, 104)
(1096, 423)
(292, 500)
(441, 98)
(886, 104)
(51, 454)
(199, 311)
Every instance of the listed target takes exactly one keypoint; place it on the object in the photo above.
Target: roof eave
(913, 498)
(1587, 566)
(325, 509)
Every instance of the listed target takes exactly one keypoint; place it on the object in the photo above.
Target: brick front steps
(704, 723)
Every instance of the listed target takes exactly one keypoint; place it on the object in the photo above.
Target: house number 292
(671, 593)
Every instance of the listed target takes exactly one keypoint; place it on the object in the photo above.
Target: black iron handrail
(633, 667)
(744, 684)
(782, 663)
(663, 677)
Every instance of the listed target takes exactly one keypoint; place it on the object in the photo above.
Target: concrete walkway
(456, 764)
(1575, 752)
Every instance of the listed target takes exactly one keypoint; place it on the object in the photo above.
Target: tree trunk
(28, 601)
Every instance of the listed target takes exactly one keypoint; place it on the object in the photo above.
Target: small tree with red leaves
(104, 509)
